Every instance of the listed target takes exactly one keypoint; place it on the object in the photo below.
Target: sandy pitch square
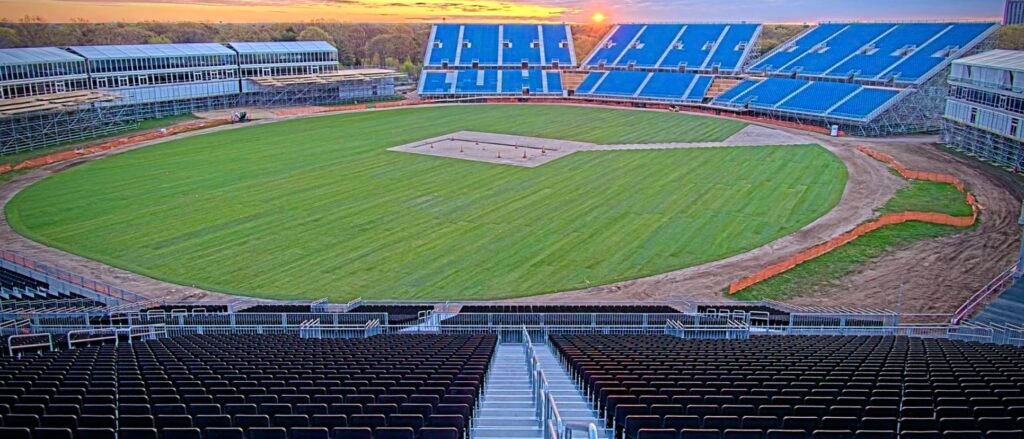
(501, 149)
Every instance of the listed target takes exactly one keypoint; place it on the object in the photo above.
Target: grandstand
(165, 79)
(54, 95)
(667, 87)
(709, 48)
(908, 53)
(475, 82)
(867, 79)
(468, 60)
(525, 46)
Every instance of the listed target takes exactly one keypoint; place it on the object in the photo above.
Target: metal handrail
(11, 347)
(990, 288)
(94, 335)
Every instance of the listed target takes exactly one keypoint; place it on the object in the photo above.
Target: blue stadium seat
(589, 82)
(650, 45)
(862, 104)
(694, 48)
(479, 45)
(819, 97)
(436, 83)
(700, 89)
(609, 51)
(735, 92)
(521, 43)
(906, 52)
(665, 85)
(557, 45)
(477, 81)
(621, 83)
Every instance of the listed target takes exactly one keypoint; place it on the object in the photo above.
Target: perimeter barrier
(870, 226)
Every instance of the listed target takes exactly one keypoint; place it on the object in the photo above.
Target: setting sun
(598, 17)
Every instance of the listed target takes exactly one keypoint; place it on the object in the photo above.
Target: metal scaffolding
(49, 127)
(319, 93)
(29, 131)
(984, 145)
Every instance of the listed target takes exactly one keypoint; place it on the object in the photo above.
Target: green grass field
(318, 208)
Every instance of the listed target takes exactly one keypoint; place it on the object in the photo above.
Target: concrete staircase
(571, 404)
(507, 409)
(720, 85)
(1008, 308)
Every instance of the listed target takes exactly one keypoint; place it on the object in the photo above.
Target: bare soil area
(937, 275)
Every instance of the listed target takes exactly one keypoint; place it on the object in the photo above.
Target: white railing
(729, 330)
(995, 286)
(146, 332)
(310, 329)
(544, 401)
(91, 335)
(11, 347)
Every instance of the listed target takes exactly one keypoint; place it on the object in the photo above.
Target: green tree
(314, 33)
(288, 34)
(1011, 37)
(772, 35)
(393, 46)
(410, 69)
(10, 38)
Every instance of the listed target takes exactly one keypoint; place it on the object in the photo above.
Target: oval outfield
(318, 207)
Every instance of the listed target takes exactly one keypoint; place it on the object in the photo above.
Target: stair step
(514, 431)
(505, 422)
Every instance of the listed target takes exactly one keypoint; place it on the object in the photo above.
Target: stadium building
(868, 79)
(1013, 12)
(986, 107)
(84, 359)
(472, 60)
(54, 95)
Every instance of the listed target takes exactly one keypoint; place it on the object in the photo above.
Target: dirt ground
(937, 275)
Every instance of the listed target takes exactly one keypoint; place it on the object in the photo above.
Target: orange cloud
(282, 10)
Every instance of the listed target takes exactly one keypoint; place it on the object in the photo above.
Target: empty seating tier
(799, 387)
(492, 82)
(835, 99)
(700, 47)
(13, 279)
(248, 387)
(904, 52)
(494, 45)
(670, 87)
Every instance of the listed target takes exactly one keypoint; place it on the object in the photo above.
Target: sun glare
(598, 17)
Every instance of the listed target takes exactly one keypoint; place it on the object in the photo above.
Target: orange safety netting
(114, 144)
(870, 226)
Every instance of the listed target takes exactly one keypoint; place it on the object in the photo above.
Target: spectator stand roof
(36, 55)
(150, 51)
(1011, 60)
(283, 47)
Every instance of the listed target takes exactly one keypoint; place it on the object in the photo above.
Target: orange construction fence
(114, 144)
(870, 226)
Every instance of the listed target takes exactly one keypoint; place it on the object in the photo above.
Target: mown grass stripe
(318, 207)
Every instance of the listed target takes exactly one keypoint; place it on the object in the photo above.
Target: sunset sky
(772, 11)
